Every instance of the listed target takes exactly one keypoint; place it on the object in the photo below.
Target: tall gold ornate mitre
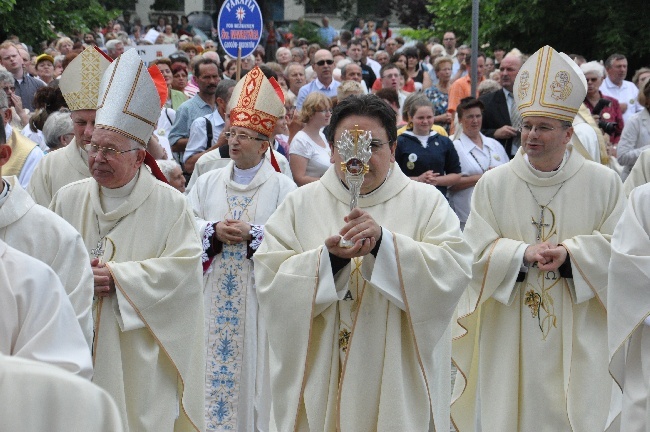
(258, 102)
(129, 101)
(550, 84)
(80, 81)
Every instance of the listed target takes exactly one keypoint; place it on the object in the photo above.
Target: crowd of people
(181, 232)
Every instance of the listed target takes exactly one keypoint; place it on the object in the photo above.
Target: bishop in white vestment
(148, 348)
(79, 84)
(231, 206)
(359, 337)
(531, 345)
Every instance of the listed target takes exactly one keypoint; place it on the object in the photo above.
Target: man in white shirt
(615, 85)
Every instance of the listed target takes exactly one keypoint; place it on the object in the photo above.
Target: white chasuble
(532, 355)
(148, 347)
(44, 235)
(394, 374)
(59, 168)
(629, 306)
(640, 173)
(236, 378)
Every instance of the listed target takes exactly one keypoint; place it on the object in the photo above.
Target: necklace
(99, 250)
(478, 163)
(540, 224)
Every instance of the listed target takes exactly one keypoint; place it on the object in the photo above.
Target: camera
(607, 127)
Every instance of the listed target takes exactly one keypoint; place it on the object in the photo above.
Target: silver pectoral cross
(540, 224)
(99, 250)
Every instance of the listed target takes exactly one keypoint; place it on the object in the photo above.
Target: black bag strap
(208, 129)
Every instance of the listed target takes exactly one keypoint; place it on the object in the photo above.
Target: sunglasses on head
(322, 62)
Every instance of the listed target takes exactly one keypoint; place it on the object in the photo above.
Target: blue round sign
(240, 26)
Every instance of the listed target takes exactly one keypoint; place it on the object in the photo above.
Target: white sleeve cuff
(329, 289)
(382, 271)
(127, 317)
(505, 293)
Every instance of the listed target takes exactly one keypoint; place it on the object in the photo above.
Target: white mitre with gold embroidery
(550, 84)
(129, 102)
(79, 82)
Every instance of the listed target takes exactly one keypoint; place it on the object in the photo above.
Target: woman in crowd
(438, 94)
(45, 68)
(610, 118)
(310, 154)
(179, 81)
(46, 101)
(477, 154)
(636, 134)
(185, 27)
(425, 155)
(64, 45)
(230, 71)
(174, 97)
(162, 22)
(58, 131)
(416, 72)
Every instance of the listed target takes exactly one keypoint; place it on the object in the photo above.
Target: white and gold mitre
(256, 102)
(80, 80)
(550, 84)
(129, 102)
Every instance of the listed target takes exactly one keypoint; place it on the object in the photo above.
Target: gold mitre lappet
(129, 101)
(550, 84)
(258, 102)
(79, 82)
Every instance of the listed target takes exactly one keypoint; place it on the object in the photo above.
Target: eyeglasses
(323, 62)
(9, 89)
(242, 136)
(108, 152)
(592, 79)
(325, 111)
(376, 145)
(449, 39)
(541, 130)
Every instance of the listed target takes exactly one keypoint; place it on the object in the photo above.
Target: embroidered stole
(228, 288)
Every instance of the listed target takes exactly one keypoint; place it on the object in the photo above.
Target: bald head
(509, 68)
(323, 66)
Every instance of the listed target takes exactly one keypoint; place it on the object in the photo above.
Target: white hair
(593, 67)
(57, 125)
(167, 166)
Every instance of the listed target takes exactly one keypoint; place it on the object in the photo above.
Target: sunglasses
(323, 62)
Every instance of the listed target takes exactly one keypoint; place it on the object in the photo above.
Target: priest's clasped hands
(361, 229)
(232, 231)
(104, 283)
(548, 256)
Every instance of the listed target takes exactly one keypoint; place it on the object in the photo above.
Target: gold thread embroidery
(561, 87)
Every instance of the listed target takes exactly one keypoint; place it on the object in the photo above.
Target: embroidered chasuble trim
(162, 347)
(227, 326)
(349, 346)
(410, 321)
(311, 326)
(472, 311)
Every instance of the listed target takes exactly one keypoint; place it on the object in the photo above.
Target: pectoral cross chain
(99, 250)
(540, 224)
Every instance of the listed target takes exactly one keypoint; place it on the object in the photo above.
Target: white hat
(129, 102)
(79, 82)
(550, 84)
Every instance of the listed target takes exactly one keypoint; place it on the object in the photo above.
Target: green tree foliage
(593, 28)
(38, 20)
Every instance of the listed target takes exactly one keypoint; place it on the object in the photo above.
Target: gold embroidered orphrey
(561, 87)
(524, 85)
(355, 279)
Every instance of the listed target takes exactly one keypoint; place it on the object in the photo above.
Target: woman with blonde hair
(309, 151)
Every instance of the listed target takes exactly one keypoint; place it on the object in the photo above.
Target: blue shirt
(313, 86)
(327, 34)
(189, 111)
(440, 156)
